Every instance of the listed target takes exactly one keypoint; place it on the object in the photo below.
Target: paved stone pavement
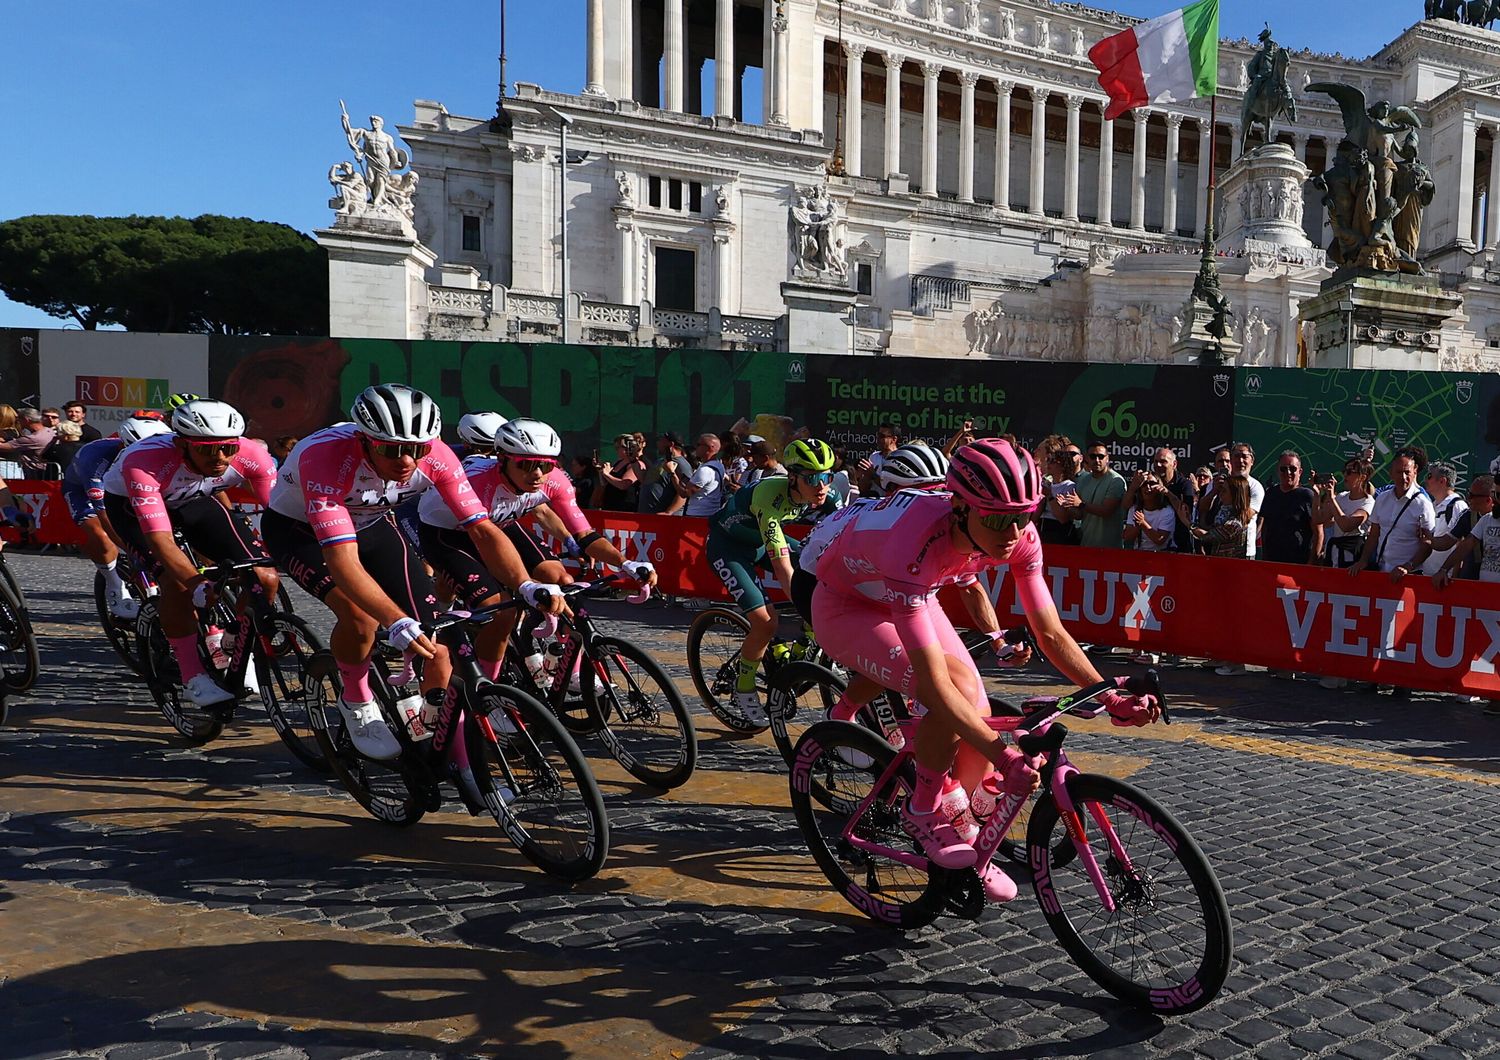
(221, 902)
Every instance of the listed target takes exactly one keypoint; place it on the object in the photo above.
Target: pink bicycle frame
(998, 824)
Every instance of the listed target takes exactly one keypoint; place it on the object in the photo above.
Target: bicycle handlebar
(222, 572)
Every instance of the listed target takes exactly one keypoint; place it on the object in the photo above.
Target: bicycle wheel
(713, 655)
(120, 631)
(280, 662)
(164, 680)
(18, 655)
(887, 891)
(800, 696)
(9, 577)
(639, 713)
(538, 785)
(382, 791)
(1168, 943)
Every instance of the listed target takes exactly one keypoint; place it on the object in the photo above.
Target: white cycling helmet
(478, 429)
(526, 437)
(913, 464)
(207, 418)
(394, 412)
(135, 428)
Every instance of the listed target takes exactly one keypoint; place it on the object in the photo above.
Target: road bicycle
(500, 748)
(714, 641)
(1138, 906)
(19, 662)
(278, 644)
(624, 698)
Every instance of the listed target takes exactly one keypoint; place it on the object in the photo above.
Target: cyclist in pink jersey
(875, 610)
(175, 481)
(523, 479)
(329, 526)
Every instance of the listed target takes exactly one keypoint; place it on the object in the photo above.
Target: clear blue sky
(173, 107)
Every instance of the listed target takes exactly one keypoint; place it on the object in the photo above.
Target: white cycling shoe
(203, 692)
(750, 706)
(367, 728)
(120, 603)
(251, 681)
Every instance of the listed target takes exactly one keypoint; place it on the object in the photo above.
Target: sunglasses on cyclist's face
(817, 478)
(1001, 521)
(534, 465)
(212, 447)
(398, 450)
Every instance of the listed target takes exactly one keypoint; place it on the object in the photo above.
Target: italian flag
(1165, 60)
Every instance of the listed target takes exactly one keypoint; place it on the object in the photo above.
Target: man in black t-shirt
(1287, 531)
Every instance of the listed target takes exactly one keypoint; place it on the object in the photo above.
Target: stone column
(1106, 206)
(780, 32)
(595, 86)
(1070, 159)
(1492, 212)
(672, 56)
(966, 79)
(1234, 142)
(1467, 141)
(724, 67)
(854, 141)
(1169, 193)
(1138, 171)
(1034, 202)
(625, 224)
(1002, 144)
(1300, 142)
(930, 72)
(1205, 163)
(893, 63)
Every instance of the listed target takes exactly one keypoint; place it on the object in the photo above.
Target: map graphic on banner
(1329, 415)
(1134, 409)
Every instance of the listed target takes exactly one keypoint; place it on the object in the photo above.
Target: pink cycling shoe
(937, 838)
(998, 887)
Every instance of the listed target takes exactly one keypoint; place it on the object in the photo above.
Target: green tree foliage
(227, 275)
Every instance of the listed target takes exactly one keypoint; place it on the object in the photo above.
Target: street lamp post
(563, 121)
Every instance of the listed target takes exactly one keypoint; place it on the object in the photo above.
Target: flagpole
(1206, 287)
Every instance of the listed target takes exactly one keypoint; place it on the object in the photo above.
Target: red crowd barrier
(51, 522)
(1309, 619)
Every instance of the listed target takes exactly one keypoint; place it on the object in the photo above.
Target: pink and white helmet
(991, 475)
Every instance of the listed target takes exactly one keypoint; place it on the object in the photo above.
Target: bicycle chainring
(963, 894)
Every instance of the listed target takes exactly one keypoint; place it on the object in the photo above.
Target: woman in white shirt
(1150, 522)
(1343, 516)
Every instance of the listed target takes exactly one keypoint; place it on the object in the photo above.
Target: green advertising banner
(1328, 415)
(589, 394)
(1134, 408)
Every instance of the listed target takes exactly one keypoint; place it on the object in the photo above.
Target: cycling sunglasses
(528, 464)
(1005, 520)
(215, 446)
(817, 478)
(397, 450)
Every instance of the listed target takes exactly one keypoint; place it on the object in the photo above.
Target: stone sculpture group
(1377, 187)
(370, 187)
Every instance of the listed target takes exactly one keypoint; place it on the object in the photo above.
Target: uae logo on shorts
(1463, 390)
(1221, 384)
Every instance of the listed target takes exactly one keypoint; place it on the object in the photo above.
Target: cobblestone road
(157, 901)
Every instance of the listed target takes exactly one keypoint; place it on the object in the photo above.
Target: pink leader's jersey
(327, 483)
(153, 474)
(899, 553)
(505, 504)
